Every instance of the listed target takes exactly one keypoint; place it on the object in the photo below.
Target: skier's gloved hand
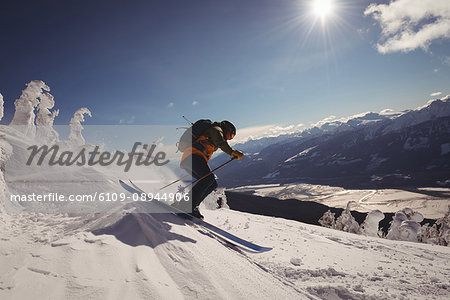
(237, 154)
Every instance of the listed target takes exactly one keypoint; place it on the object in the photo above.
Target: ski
(211, 228)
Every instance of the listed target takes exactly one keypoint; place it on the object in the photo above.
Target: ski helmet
(229, 129)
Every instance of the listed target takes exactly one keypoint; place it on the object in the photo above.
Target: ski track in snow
(363, 200)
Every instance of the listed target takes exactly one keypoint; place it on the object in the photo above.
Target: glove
(237, 154)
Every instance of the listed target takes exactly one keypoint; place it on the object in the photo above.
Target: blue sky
(253, 62)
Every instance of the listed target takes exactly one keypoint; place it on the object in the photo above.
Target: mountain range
(369, 150)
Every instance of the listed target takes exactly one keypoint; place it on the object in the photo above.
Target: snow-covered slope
(159, 257)
(143, 257)
(108, 253)
(121, 254)
(336, 265)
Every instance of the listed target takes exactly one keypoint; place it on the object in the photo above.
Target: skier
(196, 157)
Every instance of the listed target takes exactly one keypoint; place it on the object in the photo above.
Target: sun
(322, 8)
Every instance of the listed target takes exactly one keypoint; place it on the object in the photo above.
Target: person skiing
(196, 157)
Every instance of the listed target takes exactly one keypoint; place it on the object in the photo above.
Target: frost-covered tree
(409, 231)
(413, 215)
(346, 222)
(394, 229)
(405, 226)
(5, 152)
(76, 138)
(328, 220)
(444, 230)
(25, 106)
(429, 234)
(370, 225)
(1, 106)
(45, 118)
(432, 235)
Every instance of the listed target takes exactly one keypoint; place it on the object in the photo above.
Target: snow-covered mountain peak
(387, 119)
(434, 109)
(437, 107)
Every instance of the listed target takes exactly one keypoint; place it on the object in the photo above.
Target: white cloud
(324, 121)
(257, 132)
(436, 70)
(386, 111)
(410, 24)
(435, 94)
(194, 103)
(170, 105)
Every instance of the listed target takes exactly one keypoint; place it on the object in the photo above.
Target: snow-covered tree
(370, 225)
(405, 226)
(5, 152)
(25, 106)
(429, 234)
(328, 220)
(76, 138)
(346, 222)
(445, 228)
(45, 118)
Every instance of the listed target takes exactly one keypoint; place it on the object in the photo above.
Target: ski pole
(222, 165)
(187, 120)
(174, 181)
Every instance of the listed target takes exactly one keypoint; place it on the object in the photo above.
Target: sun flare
(322, 8)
